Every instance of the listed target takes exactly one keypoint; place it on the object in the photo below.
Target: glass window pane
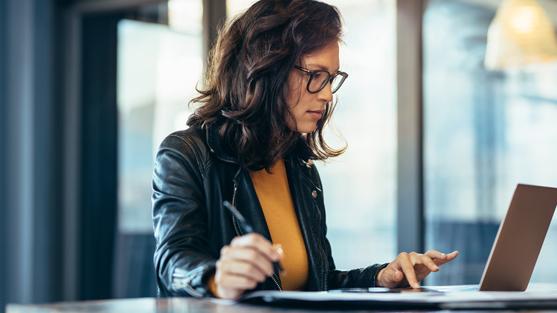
(485, 132)
(235, 7)
(158, 67)
(359, 187)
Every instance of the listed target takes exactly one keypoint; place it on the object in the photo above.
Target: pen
(246, 227)
(366, 290)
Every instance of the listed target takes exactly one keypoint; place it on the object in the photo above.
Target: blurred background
(449, 104)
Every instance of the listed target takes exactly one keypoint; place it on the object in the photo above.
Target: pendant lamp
(521, 34)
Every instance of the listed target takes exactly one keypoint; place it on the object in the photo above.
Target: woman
(251, 142)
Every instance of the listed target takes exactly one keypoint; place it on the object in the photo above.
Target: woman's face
(307, 108)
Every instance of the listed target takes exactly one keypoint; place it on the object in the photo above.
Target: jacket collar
(216, 147)
(299, 152)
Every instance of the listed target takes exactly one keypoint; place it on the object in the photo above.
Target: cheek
(296, 105)
(295, 98)
(293, 95)
(300, 106)
(304, 123)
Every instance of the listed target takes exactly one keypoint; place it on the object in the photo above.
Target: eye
(318, 75)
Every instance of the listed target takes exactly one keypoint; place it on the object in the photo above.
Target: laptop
(518, 242)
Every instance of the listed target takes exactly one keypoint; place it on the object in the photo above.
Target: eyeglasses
(318, 79)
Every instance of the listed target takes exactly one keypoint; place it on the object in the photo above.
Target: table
(163, 305)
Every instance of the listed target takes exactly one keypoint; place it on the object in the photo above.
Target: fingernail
(278, 249)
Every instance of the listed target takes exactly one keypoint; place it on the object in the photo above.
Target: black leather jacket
(193, 175)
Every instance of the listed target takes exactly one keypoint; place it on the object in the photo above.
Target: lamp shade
(520, 34)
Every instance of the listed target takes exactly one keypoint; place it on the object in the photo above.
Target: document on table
(450, 300)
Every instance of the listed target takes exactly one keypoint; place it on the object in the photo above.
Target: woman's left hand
(408, 269)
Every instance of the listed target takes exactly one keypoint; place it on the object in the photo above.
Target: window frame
(410, 126)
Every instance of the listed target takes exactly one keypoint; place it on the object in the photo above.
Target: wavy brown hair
(246, 81)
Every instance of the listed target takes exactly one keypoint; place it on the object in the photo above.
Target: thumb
(397, 276)
(392, 277)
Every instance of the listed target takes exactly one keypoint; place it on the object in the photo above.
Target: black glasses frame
(329, 80)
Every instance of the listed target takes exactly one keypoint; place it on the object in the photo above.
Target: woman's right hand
(247, 261)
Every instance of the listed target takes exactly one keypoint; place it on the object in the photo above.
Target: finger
(230, 294)
(451, 256)
(236, 282)
(408, 269)
(427, 261)
(277, 247)
(434, 254)
(258, 242)
(249, 255)
(241, 268)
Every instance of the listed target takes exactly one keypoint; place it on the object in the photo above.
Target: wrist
(377, 278)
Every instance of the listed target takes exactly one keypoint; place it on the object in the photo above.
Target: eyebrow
(322, 67)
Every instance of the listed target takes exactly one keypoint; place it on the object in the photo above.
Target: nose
(326, 94)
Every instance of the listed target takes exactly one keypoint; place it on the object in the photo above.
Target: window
(158, 68)
(235, 7)
(484, 133)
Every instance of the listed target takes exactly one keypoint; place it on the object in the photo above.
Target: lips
(316, 113)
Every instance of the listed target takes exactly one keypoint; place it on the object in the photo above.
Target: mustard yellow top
(274, 196)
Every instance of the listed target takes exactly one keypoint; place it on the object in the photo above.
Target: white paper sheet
(544, 296)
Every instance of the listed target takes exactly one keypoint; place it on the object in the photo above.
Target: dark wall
(2, 152)
(29, 205)
(45, 140)
(98, 204)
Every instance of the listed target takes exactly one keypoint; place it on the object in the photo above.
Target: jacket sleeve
(183, 263)
(355, 278)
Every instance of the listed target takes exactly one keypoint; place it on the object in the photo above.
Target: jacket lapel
(304, 205)
(248, 204)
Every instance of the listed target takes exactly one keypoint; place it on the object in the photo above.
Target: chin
(305, 129)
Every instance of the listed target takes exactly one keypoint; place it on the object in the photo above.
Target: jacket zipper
(234, 193)
(234, 222)
(276, 283)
